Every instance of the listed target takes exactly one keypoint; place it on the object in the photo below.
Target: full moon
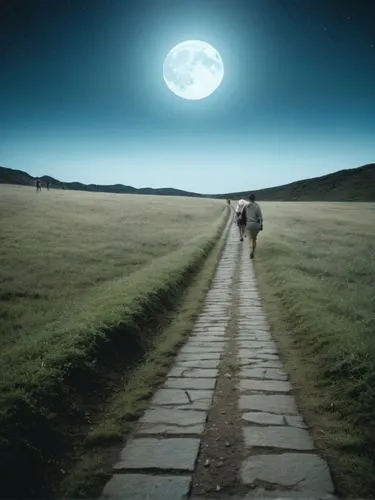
(193, 70)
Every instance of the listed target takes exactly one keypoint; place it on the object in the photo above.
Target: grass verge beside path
(55, 376)
(58, 247)
(101, 447)
(315, 268)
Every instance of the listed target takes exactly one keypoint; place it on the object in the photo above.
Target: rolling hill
(10, 176)
(356, 184)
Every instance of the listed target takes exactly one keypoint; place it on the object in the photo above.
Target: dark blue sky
(82, 95)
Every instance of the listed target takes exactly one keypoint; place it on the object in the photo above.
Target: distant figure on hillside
(240, 217)
(228, 201)
(254, 223)
(38, 185)
(48, 185)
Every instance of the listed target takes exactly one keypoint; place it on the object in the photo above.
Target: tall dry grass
(316, 269)
(59, 247)
(84, 279)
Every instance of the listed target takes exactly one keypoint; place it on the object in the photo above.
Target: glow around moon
(193, 70)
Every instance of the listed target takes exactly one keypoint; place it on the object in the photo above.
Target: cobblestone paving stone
(279, 451)
(279, 459)
(157, 462)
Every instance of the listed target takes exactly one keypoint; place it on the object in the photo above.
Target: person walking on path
(38, 185)
(229, 203)
(240, 217)
(254, 223)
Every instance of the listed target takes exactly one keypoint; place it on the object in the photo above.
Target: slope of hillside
(355, 184)
(11, 176)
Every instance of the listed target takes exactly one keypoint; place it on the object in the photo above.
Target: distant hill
(355, 184)
(10, 176)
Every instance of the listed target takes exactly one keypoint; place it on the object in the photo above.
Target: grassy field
(87, 283)
(316, 271)
(94, 466)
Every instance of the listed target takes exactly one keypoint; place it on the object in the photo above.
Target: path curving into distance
(225, 423)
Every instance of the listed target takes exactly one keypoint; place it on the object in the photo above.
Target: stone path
(279, 451)
(278, 459)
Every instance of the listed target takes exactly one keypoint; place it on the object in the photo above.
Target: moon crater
(193, 70)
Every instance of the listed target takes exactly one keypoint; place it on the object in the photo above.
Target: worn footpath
(213, 432)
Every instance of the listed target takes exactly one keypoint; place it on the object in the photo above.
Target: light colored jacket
(254, 213)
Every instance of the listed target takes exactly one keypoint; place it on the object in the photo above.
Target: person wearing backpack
(253, 223)
(241, 217)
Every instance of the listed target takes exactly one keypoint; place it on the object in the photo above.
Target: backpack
(241, 218)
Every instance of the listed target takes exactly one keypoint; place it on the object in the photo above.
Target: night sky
(82, 95)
